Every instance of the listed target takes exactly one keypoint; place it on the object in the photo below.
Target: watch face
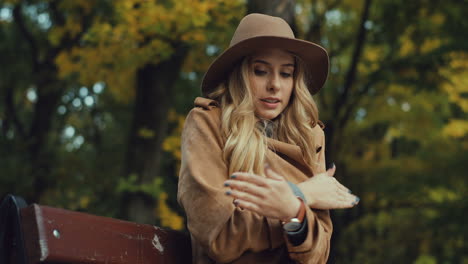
(292, 225)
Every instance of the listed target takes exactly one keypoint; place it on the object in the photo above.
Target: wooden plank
(55, 235)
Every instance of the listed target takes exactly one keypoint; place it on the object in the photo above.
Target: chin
(269, 116)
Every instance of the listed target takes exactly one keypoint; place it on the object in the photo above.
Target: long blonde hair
(246, 139)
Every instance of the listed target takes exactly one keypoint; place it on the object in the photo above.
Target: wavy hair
(246, 138)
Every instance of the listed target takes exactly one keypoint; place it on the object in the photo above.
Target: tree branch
(19, 21)
(11, 111)
(67, 41)
(350, 107)
(323, 101)
(315, 34)
(315, 28)
(351, 74)
(334, 4)
(339, 47)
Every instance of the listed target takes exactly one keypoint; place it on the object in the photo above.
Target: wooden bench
(42, 234)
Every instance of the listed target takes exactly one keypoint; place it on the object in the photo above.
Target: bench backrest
(53, 235)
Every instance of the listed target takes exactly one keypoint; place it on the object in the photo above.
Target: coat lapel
(292, 151)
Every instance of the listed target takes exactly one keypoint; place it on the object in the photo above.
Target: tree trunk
(280, 8)
(40, 156)
(154, 96)
(49, 90)
(341, 113)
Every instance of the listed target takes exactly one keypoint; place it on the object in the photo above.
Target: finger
(357, 200)
(342, 200)
(332, 170)
(245, 187)
(249, 177)
(345, 196)
(272, 175)
(236, 194)
(349, 199)
(342, 187)
(354, 200)
(345, 205)
(248, 206)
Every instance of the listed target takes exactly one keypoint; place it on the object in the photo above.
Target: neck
(268, 126)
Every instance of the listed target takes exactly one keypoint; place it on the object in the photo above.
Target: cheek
(255, 84)
(289, 88)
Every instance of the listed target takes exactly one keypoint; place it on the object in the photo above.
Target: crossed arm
(272, 197)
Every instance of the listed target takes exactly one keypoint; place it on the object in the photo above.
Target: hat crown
(257, 25)
(256, 32)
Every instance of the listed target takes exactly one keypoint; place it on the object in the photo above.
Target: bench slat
(58, 235)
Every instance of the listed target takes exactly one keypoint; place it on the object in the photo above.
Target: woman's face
(271, 80)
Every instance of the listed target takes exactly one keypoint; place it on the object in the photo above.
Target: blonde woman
(253, 181)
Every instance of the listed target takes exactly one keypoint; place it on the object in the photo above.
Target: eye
(286, 74)
(260, 72)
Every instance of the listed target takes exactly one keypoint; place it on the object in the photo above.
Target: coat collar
(292, 151)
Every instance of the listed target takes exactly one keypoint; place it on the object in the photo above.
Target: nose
(274, 84)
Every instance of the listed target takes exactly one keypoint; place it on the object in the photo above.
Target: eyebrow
(265, 62)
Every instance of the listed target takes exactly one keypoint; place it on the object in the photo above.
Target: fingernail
(233, 176)
(226, 184)
(235, 202)
(333, 165)
(349, 191)
(357, 200)
(228, 192)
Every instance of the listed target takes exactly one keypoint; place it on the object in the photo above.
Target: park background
(93, 96)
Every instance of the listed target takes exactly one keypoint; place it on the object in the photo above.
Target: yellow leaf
(456, 128)
(430, 44)
(84, 201)
(146, 133)
(166, 215)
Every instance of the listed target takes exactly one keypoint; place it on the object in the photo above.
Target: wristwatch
(295, 223)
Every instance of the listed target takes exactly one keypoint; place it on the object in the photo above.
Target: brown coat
(222, 233)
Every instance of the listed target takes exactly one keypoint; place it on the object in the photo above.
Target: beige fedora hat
(259, 31)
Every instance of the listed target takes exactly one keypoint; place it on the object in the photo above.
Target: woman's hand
(323, 191)
(269, 196)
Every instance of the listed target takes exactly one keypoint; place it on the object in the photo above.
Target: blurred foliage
(405, 147)
(167, 216)
(142, 32)
(402, 135)
(130, 185)
(172, 143)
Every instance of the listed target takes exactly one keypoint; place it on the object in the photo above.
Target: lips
(270, 100)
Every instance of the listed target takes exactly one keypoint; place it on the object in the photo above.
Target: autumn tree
(133, 50)
(139, 53)
(36, 33)
(384, 106)
(389, 99)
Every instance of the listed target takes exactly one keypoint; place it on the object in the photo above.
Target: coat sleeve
(316, 247)
(224, 231)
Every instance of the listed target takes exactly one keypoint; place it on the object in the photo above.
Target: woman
(252, 181)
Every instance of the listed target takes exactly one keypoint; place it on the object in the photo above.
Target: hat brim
(314, 57)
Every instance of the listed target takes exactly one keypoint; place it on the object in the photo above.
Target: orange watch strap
(302, 210)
